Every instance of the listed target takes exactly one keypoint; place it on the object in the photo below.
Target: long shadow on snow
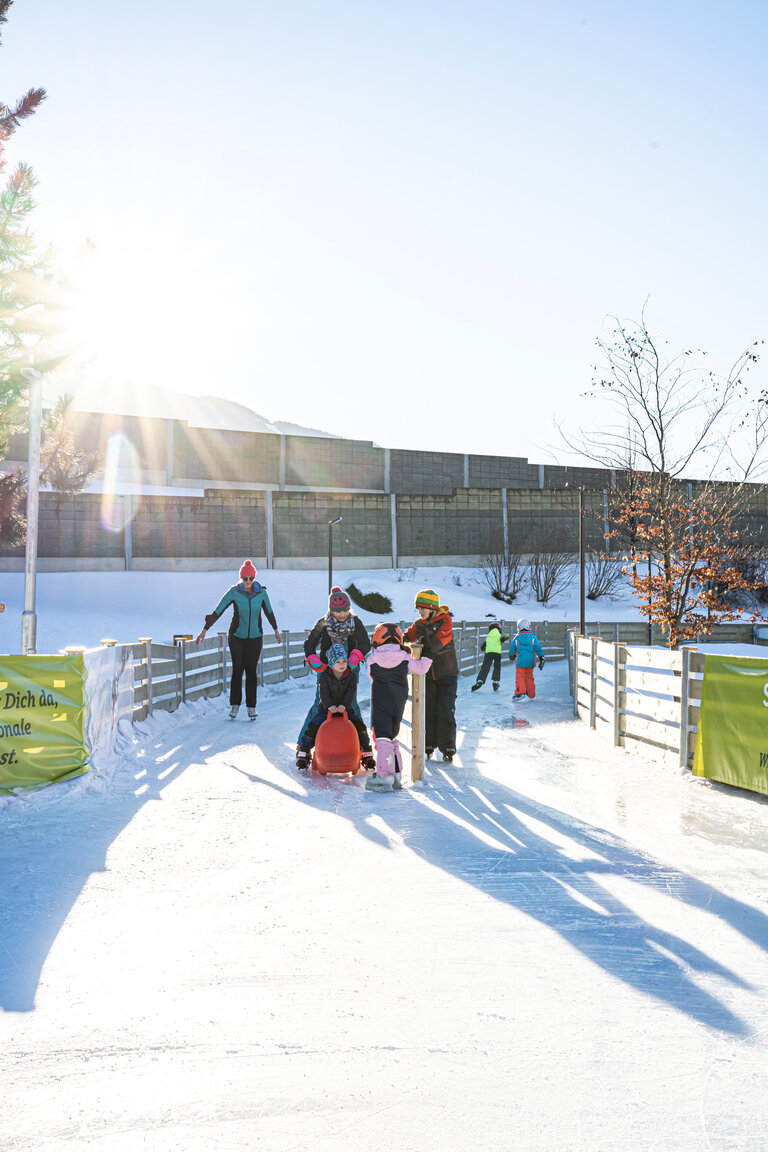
(483, 839)
(46, 860)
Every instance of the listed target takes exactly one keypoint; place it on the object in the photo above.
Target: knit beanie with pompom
(338, 601)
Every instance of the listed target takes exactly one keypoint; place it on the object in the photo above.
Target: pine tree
(23, 279)
(64, 466)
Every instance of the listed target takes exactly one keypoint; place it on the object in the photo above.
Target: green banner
(42, 715)
(732, 738)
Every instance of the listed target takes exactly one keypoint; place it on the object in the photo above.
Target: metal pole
(650, 601)
(330, 549)
(29, 616)
(582, 599)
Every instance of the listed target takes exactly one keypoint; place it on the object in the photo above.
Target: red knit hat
(247, 570)
(338, 601)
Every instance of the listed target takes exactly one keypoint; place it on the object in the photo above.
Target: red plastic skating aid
(337, 747)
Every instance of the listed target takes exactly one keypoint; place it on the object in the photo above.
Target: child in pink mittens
(388, 666)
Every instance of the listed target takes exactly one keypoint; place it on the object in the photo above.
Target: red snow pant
(524, 682)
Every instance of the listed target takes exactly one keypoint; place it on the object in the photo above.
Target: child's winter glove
(315, 662)
(541, 662)
(355, 657)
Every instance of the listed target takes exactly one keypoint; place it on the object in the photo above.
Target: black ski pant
(490, 658)
(440, 719)
(245, 658)
(387, 707)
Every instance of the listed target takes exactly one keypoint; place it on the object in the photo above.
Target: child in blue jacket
(525, 651)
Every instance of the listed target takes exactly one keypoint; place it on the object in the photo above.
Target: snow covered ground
(549, 945)
(86, 607)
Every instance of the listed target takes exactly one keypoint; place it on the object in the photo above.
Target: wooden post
(183, 670)
(147, 642)
(685, 672)
(223, 659)
(180, 642)
(576, 637)
(417, 720)
(593, 681)
(619, 656)
(286, 653)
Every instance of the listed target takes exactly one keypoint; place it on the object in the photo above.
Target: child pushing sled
(388, 667)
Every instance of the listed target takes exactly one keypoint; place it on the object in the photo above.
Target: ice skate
(475, 687)
(234, 711)
(496, 687)
(519, 696)
(448, 755)
(252, 713)
(380, 783)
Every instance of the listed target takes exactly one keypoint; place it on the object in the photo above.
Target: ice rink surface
(549, 946)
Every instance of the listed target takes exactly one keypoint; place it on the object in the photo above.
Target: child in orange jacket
(434, 631)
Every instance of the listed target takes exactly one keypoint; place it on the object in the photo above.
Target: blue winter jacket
(525, 649)
(247, 609)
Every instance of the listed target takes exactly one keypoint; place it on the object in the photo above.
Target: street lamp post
(331, 523)
(29, 616)
(582, 580)
(650, 602)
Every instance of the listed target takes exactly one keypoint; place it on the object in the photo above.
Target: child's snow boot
(303, 759)
(368, 762)
(448, 755)
(387, 764)
(234, 711)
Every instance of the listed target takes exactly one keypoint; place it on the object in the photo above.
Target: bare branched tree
(550, 566)
(504, 574)
(605, 576)
(678, 417)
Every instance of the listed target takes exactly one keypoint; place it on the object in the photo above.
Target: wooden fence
(638, 698)
(166, 675)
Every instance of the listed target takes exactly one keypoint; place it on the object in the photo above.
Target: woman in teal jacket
(248, 599)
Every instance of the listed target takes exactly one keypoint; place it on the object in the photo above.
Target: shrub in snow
(605, 577)
(370, 601)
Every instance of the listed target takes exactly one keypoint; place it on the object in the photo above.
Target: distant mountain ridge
(129, 399)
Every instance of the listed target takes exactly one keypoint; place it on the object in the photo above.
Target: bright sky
(407, 221)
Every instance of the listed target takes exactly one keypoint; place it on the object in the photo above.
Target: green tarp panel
(732, 738)
(42, 717)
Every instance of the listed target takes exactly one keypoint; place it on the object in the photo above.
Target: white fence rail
(638, 698)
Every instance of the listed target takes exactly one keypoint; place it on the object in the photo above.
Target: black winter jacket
(334, 691)
(358, 638)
